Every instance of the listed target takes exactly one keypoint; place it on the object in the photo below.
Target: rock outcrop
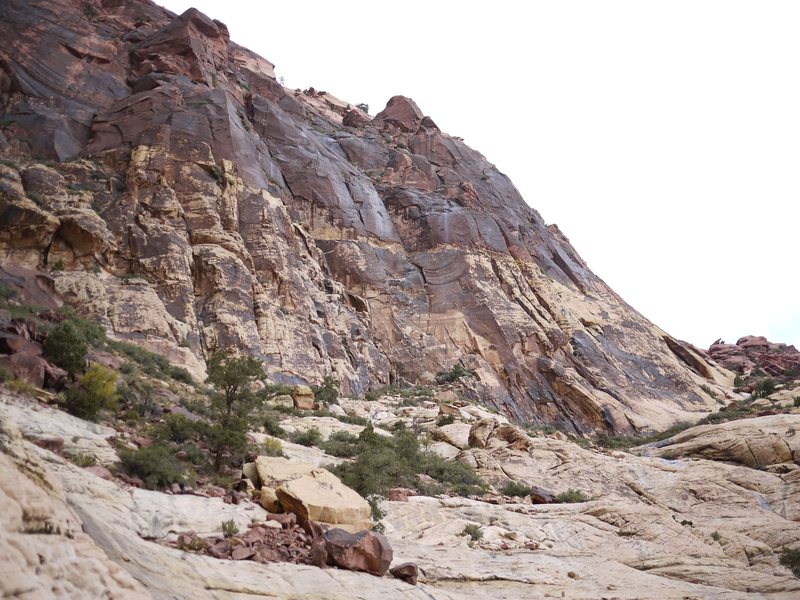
(752, 352)
(204, 206)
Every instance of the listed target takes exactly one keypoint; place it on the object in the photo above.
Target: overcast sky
(662, 137)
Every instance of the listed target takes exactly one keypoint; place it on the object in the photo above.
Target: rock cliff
(183, 197)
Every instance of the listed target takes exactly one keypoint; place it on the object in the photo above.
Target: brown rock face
(753, 351)
(211, 207)
(365, 551)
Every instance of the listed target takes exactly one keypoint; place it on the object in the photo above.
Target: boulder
(250, 471)
(320, 496)
(283, 400)
(303, 397)
(455, 434)
(364, 551)
(269, 499)
(408, 572)
(312, 493)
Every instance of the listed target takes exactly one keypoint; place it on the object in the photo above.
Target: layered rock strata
(198, 204)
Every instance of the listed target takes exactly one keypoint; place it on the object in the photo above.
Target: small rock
(220, 549)
(399, 494)
(286, 520)
(408, 572)
(53, 444)
(540, 495)
(242, 553)
(100, 471)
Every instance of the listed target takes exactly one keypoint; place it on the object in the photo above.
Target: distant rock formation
(756, 352)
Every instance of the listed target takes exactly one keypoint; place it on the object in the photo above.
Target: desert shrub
(5, 375)
(309, 437)
(217, 172)
(66, 347)
(270, 390)
(572, 496)
(194, 455)
(352, 419)
(58, 265)
(229, 528)
(764, 388)
(454, 374)
(84, 460)
(342, 444)
(791, 560)
(272, 447)
(178, 428)
(516, 489)
(273, 427)
(797, 401)
(21, 386)
(156, 465)
(328, 392)
(383, 462)
(473, 531)
(6, 293)
(96, 390)
(181, 374)
(151, 363)
(445, 420)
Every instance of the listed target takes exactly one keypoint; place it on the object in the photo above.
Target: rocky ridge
(185, 199)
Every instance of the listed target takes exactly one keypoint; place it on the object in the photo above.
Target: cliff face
(195, 203)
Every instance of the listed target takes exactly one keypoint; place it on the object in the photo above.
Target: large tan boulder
(303, 397)
(313, 493)
(455, 434)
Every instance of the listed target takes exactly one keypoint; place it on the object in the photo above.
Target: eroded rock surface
(210, 207)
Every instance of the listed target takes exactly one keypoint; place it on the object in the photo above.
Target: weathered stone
(365, 551)
(269, 499)
(408, 572)
(303, 397)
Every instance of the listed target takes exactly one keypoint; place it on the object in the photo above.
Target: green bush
(383, 462)
(66, 347)
(5, 375)
(571, 496)
(764, 388)
(342, 444)
(181, 374)
(473, 531)
(445, 420)
(156, 465)
(515, 489)
(791, 560)
(328, 392)
(272, 447)
(6, 293)
(178, 428)
(797, 401)
(273, 427)
(96, 390)
(309, 437)
(454, 374)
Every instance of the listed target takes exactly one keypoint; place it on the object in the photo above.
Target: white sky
(662, 137)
